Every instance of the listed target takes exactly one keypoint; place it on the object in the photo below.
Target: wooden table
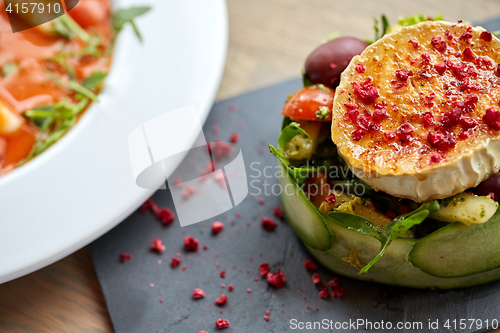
(268, 42)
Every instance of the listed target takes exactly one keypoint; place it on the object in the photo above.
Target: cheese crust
(416, 115)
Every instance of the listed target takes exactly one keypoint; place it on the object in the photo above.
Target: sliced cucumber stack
(471, 254)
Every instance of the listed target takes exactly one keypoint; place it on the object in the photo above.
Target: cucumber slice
(303, 216)
(458, 250)
(330, 246)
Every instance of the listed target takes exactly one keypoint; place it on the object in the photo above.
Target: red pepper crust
(419, 106)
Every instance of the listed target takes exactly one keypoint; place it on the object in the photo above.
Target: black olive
(325, 64)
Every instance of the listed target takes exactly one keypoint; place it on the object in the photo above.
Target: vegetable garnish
(126, 16)
(399, 226)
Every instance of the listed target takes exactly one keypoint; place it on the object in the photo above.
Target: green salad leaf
(356, 223)
(94, 80)
(72, 85)
(305, 80)
(54, 121)
(383, 26)
(288, 133)
(399, 226)
(417, 18)
(125, 16)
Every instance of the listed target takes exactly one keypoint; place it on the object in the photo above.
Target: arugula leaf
(385, 24)
(67, 27)
(305, 81)
(379, 32)
(288, 133)
(375, 27)
(8, 68)
(417, 18)
(399, 226)
(72, 85)
(124, 16)
(356, 223)
(54, 121)
(94, 80)
(385, 27)
(61, 28)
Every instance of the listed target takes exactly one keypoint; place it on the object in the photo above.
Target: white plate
(83, 185)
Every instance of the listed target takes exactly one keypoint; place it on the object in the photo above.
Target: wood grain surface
(268, 42)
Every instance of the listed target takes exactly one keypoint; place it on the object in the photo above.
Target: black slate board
(133, 289)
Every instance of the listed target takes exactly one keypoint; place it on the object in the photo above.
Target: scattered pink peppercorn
(335, 282)
(191, 243)
(198, 293)
(165, 215)
(278, 212)
(414, 43)
(403, 74)
(309, 265)
(467, 34)
(148, 204)
(316, 278)
(264, 269)
(427, 119)
(486, 36)
(440, 141)
(217, 227)
(337, 292)
(438, 43)
(230, 287)
(222, 323)
(262, 201)
(440, 67)
(331, 198)
(492, 119)
(222, 300)
(360, 68)
(436, 158)
(366, 91)
(176, 262)
(469, 54)
(268, 224)
(223, 274)
(125, 256)
(157, 246)
(266, 318)
(323, 293)
(234, 138)
(380, 114)
(277, 280)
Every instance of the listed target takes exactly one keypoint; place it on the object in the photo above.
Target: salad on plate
(391, 154)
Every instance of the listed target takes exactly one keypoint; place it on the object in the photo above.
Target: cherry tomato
(90, 12)
(310, 103)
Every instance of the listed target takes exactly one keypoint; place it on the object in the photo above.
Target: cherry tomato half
(312, 103)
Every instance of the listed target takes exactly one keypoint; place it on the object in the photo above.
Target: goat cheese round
(417, 114)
